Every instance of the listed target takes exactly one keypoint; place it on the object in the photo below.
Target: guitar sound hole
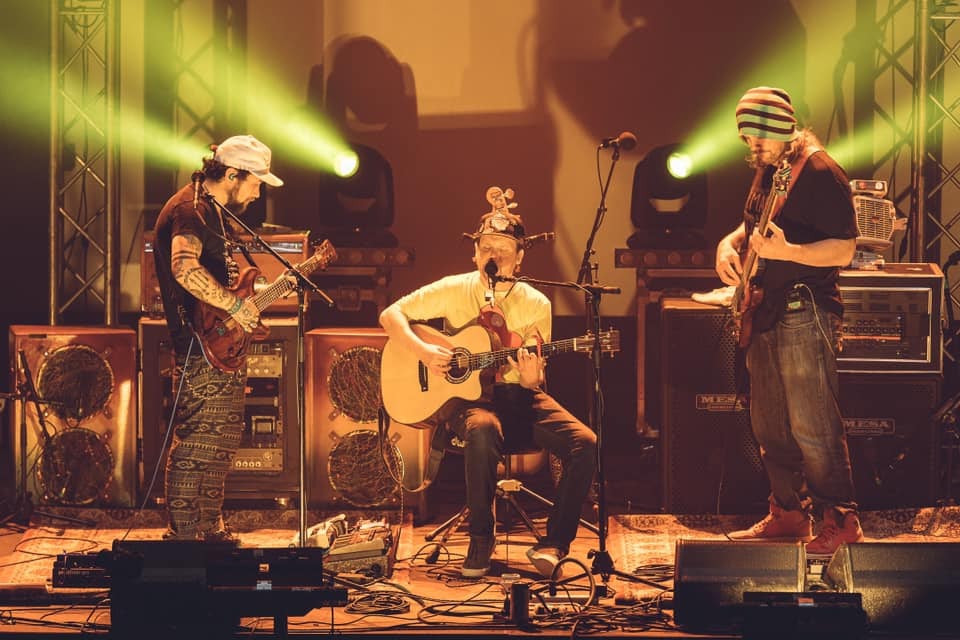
(457, 373)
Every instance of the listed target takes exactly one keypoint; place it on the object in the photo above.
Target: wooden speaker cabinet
(347, 466)
(267, 464)
(83, 450)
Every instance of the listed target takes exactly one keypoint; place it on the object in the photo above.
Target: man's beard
(233, 204)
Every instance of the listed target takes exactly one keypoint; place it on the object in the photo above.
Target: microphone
(491, 270)
(529, 241)
(197, 180)
(625, 141)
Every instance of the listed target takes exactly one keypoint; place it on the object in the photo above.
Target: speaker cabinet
(910, 586)
(347, 466)
(711, 576)
(893, 442)
(80, 449)
(267, 465)
(709, 457)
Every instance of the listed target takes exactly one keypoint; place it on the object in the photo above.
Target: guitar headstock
(781, 178)
(609, 342)
(323, 255)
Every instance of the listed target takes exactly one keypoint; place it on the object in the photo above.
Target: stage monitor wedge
(905, 586)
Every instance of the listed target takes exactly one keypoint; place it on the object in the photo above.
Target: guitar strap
(795, 168)
(741, 376)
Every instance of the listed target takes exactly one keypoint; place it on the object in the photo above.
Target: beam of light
(855, 150)
(300, 133)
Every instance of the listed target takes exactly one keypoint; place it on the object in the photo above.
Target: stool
(528, 461)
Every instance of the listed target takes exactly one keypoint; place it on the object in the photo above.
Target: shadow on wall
(673, 69)
(370, 99)
(441, 166)
(669, 73)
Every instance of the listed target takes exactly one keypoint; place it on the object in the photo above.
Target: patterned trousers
(208, 426)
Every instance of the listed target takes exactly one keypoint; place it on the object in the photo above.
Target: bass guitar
(748, 293)
(223, 341)
(412, 393)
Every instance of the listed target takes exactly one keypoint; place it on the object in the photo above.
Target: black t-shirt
(178, 217)
(819, 206)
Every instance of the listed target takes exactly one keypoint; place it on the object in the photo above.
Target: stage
(420, 591)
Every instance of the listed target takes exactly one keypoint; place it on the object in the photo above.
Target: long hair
(795, 147)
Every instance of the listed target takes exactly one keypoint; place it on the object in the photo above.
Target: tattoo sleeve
(192, 276)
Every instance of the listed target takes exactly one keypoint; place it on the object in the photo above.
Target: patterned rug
(634, 541)
(31, 562)
(641, 541)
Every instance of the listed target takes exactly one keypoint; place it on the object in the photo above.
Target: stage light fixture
(669, 203)
(679, 165)
(346, 163)
(356, 208)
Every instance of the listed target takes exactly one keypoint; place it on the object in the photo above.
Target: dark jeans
(514, 418)
(795, 413)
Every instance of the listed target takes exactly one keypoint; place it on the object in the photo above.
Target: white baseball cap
(247, 154)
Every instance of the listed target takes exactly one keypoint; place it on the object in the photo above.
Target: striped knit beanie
(766, 112)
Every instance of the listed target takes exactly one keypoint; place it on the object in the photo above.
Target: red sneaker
(779, 524)
(834, 533)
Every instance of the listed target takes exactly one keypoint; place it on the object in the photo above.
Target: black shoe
(477, 562)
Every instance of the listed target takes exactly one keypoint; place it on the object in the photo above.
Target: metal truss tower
(83, 161)
(194, 55)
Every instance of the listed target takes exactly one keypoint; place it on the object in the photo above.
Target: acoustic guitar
(412, 393)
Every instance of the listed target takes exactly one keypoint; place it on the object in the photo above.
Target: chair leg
(524, 516)
(544, 501)
(449, 526)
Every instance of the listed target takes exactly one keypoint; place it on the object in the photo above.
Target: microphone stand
(602, 562)
(303, 284)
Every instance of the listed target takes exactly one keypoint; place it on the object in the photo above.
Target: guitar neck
(272, 293)
(283, 286)
(477, 361)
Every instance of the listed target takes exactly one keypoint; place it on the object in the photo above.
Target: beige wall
(517, 93)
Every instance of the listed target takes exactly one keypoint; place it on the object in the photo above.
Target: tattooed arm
(200, 283)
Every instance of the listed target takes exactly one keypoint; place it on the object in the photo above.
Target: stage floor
(423, 595)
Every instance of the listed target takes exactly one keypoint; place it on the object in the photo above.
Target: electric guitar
(223, 341)
(748, 293)
(412, 393)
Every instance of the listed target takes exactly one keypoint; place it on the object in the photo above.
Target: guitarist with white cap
(195, 267)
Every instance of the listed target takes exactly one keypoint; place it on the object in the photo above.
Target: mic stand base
(24, 512)
(603, 566)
